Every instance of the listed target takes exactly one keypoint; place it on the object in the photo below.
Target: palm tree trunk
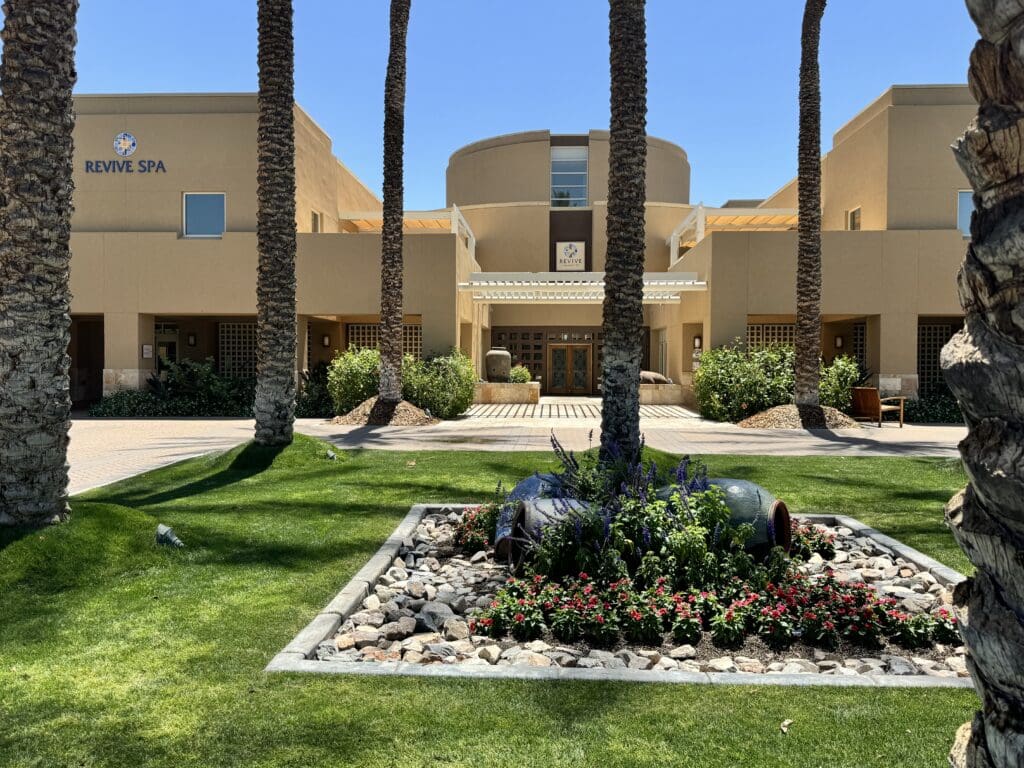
(37, 73)
(274, 404)
(808, 261)
(623, 311)
(391, 311)
(984, 366)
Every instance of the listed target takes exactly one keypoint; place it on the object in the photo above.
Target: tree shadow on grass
(10, 534)
(250, 461)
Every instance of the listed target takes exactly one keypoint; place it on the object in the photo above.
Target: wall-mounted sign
(147, 351)
(125, 146)
(571, 257)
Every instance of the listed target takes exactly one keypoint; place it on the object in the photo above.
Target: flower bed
(431, 605)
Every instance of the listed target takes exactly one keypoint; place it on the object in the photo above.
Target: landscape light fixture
(839, 342)
(698, 342)
(326, 340)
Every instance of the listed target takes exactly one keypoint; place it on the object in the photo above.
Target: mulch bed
(374, 412)
(799, 417)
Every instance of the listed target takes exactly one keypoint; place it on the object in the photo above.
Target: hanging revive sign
(570, 257)
(125, 146)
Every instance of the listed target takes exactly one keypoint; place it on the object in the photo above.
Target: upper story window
(203, 214)
(316, 223)
(964, 209)
(569, 177)
(853, 220)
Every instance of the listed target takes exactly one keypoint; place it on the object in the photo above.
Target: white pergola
(703, 220)
(571, 287)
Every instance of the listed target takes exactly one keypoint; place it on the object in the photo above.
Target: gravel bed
(419, 609)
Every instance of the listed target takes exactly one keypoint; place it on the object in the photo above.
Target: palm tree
(37, 73)
(984, 366)
(391, 311)
(808, 262)
(274, 404)
(623, 311)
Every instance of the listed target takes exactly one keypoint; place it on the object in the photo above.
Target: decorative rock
(440, 650)
(369, 618)
(397, 630)
(900, 666)
(456, 629)
(372, 603)
(344, 641)
(562, 659)
(537, 646)
(531, 659)
(365, 635)
(415, 589)
(682, 652)
(957, 664)
(797, 666)
(721, 664)
(413, 657)
(432, 616)
(490, 653)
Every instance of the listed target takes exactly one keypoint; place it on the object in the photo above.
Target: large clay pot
(750, 503)
(498, 365)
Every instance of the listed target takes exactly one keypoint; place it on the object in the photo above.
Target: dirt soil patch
(375, 412)
(799, 417)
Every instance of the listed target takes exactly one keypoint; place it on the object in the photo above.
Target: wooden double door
(570, 369)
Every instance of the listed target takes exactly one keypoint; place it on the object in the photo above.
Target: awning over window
(574, 288)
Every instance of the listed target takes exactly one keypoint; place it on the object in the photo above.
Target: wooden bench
(868, 405)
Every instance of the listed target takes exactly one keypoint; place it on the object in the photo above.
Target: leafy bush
(938, 407)
(353, 377)
(807, 540)
(475, 531)
(314, 399)
(520, 374)
(733, 382)
(443, 385)
(188, 388)
(836, 382)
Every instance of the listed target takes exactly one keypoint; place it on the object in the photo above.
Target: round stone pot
(498, 365)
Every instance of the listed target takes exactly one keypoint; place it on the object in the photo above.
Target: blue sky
(722, 75)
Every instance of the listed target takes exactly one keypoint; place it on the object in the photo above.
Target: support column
(127, 338)
(301, 347)
(897, 353)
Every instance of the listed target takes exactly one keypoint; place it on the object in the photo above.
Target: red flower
(519, 617)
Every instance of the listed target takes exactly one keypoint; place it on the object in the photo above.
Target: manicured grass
(114, 652)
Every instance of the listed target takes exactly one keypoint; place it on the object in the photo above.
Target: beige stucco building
(164, 246)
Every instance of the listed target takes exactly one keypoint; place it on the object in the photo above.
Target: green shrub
(733, 383)
(314, 399)
(188, 388)
(520, 374)
(934, 408)
(837, 381)
(442, 385)
(353, 377)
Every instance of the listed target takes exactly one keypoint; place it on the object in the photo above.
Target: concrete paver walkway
(105, 450)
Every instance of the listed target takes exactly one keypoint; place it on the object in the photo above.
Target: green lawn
(114, 652)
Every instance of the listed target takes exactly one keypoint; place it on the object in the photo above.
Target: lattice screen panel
(931, 338)
(860, 345)
(237, 349)
(768, 334)
(367, 336)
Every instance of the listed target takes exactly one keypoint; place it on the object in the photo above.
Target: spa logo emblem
(125, 144)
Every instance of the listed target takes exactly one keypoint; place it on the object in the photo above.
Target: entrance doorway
(569, 369)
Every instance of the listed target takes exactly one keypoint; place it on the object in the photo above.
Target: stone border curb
(297, 656)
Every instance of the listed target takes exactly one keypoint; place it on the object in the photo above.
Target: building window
(203, 214)
(316, 222)
(853, 220)
(964, 209)
(770, 334)
(367, 336)
(569, 177)
(236, 347)
(860, 345)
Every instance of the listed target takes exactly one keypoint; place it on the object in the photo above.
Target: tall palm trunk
(391, 312)
(274, 404)
(984, 366)
(808, 261)
(623, 311)
(37, 73)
